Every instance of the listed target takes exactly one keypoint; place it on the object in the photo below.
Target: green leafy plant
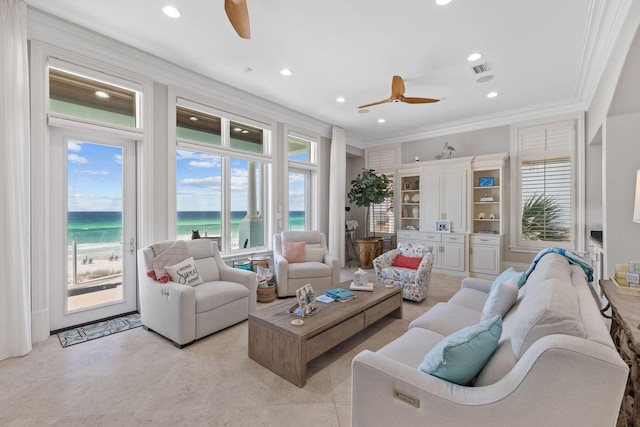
(369, 188)
(541, 219)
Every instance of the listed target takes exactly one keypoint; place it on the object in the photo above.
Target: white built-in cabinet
(451, 192)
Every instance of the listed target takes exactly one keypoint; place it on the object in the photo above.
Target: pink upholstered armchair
(415, 282)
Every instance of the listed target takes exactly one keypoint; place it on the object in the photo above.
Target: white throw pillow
(549, 307)
(501, 299)
(185, 273)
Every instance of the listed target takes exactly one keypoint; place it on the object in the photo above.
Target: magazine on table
(340, 294)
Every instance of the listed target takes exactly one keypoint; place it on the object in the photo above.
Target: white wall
(593, 183)
(621, 161)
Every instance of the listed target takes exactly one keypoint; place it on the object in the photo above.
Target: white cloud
(74, 158)
(117, 158)
(197, 164)
(208, 182)
(74, 146)
(91, 172)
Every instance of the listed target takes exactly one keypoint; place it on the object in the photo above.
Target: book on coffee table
(362, 287)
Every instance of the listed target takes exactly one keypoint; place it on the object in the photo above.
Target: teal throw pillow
(459, 357)
(506, 275)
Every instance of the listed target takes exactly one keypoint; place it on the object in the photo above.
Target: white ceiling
(539, 52)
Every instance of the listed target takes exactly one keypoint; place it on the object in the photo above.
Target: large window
(221, 173)
(545, 203)
(302, 166)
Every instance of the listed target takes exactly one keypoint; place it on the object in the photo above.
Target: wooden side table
(625, 332)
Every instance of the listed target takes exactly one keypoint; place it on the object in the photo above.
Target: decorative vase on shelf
(406, 198)
(415, 211)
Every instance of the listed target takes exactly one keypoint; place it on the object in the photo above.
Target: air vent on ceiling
(481, 68)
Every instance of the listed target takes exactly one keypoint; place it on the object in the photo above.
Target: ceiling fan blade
(376, 103)
(410, 100)
(397, 87)
(238, 15)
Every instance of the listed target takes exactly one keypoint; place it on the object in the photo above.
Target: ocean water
(100, 233)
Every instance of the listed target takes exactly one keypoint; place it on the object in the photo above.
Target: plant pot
(368, 248)
(267, 294)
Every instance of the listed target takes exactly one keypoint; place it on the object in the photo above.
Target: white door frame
(60, 317)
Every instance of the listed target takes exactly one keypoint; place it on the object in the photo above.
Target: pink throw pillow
(407, 262)
(294, 251)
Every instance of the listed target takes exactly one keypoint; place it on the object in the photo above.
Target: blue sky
(95, 180)
(199, 181)
(94, 177)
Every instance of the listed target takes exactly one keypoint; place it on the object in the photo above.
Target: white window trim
(578, 214)
(313, 166)
(180, 97)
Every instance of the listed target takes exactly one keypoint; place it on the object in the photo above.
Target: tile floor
(139, 378)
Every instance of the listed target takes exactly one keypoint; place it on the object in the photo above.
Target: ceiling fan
(238, 15)
(397, 95)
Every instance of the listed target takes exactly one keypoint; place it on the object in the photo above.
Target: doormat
(99, 329)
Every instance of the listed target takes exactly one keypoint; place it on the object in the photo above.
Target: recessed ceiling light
(381, 120)
(237, 129)
(340, 99)
(102, 94)
(492, 94)
(245, 131)
(443, 2)
(474, 56)
(286, 72)
(193, 118)
(171, 11)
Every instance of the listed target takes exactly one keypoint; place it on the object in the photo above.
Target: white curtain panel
(337, 193)
(15, 312)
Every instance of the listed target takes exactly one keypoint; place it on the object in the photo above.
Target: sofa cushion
(208, 268)
(470, 298)
(549, 307)
(550, 266)
(407, 262)
(294, 251)
(211, 295)
(185, 273)
(445, 318)
(460, 356)
(411, 346)
(509, 273)
(308, 270)
(501, 299)
(398, 275)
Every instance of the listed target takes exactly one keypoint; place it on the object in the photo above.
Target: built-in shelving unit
(410, 202)
(487, 201)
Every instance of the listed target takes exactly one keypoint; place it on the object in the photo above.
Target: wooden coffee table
(286, 349)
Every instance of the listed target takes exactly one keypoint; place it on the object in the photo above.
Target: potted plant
(367, 189)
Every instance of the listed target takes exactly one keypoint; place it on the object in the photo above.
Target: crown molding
(605, 22)
(484, 122)
(55, 31)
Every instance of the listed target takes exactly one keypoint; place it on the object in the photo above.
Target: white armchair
(183, 313)
(319, 268)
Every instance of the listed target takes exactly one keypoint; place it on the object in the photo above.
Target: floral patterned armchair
(415, 283)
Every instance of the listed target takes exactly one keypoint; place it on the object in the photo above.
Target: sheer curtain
(337, 193)
(15, 313)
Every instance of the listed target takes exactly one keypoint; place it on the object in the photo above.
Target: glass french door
(93, 226)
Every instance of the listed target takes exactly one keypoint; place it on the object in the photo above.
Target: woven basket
(267, 294)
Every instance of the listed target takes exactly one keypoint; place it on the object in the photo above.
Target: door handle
(132, 245)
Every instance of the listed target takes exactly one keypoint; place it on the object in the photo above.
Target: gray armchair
(319, 268)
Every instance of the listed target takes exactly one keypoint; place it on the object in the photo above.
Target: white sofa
(559, 380)
(183, 313)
